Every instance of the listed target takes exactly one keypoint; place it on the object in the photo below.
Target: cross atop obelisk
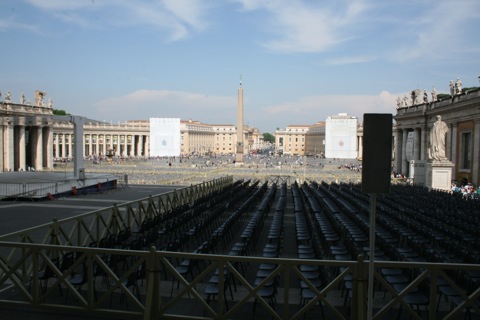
(239, 154)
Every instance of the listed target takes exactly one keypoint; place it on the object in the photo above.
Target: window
(466, 150)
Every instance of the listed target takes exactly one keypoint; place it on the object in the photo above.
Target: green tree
(59, 112)
(268, 137)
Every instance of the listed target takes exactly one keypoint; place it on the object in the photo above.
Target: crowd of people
(466, 189)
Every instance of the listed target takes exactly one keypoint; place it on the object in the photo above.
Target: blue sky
(300, 61)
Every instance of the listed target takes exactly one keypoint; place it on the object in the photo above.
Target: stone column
(21, 148)
(416, 144)
(139, 144)
(1, 151)
(360, 147)
(8, 156)
(476, 153)
(398, 150)
(104, 144)
(118, 145)
(70, 145)
(452, 143)
(97, 149)
(404, 152)
(56, 153)
(424, 145)
(125, 145)
(147, 146)
(63, 153)
(49, 147)
(89, 148)
(38, 149)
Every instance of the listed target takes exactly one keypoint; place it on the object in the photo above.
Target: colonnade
(125, 145)
(26, 147)
(410, 144)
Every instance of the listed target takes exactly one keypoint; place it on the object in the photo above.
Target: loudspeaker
(377, 153)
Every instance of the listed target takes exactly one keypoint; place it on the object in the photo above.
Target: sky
(299, 61)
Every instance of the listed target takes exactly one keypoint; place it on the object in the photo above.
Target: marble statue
(434, 94)
(414, 97)
(458, 86)
(405, 101)
(22, 98)
(50, 103)
(7, 96)
(452, 88)
(437, 140)
(399, 102)
(425, 96)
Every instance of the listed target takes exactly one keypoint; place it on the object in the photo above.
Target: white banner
(164, 137)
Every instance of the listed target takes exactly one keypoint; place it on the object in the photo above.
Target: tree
(268, 137)
(59, 112)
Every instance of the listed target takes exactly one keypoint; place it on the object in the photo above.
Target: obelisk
(239, 154)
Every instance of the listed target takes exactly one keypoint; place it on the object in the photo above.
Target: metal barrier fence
(83, 229)
(146, 284)
(27, 189)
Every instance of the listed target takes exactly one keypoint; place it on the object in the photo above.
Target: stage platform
(39, 185)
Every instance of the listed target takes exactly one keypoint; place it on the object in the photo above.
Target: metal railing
(147, 285)
(81, 230)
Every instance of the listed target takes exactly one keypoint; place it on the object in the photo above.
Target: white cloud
(439, 32)
(10, 24)
(351, 60)
(179, 18)
(308, 26)
(143, 104)
(308, 110)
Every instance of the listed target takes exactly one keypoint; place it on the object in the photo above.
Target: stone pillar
(476, 153)
(104, 145)
(62, 153)
(38, 145)
(1, 151)
(55, 152)
(97, 145)
(452, 143)
(398, 150)
(21, 148)
(139, 144)
(89, 146)
(116, 145)
(70, 145)
(8, 156)
(147, 146)
(125, 145)
(404, 152)
(49, 147)
(360, 147)
(423, 147)
(416, 144)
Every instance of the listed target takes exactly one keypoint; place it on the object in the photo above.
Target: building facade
(32, 137)
(26, 135)
(413, 126)
(315, 140)
(339, 136)
(291, 141)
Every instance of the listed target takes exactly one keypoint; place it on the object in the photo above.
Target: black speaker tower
(377, 153)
